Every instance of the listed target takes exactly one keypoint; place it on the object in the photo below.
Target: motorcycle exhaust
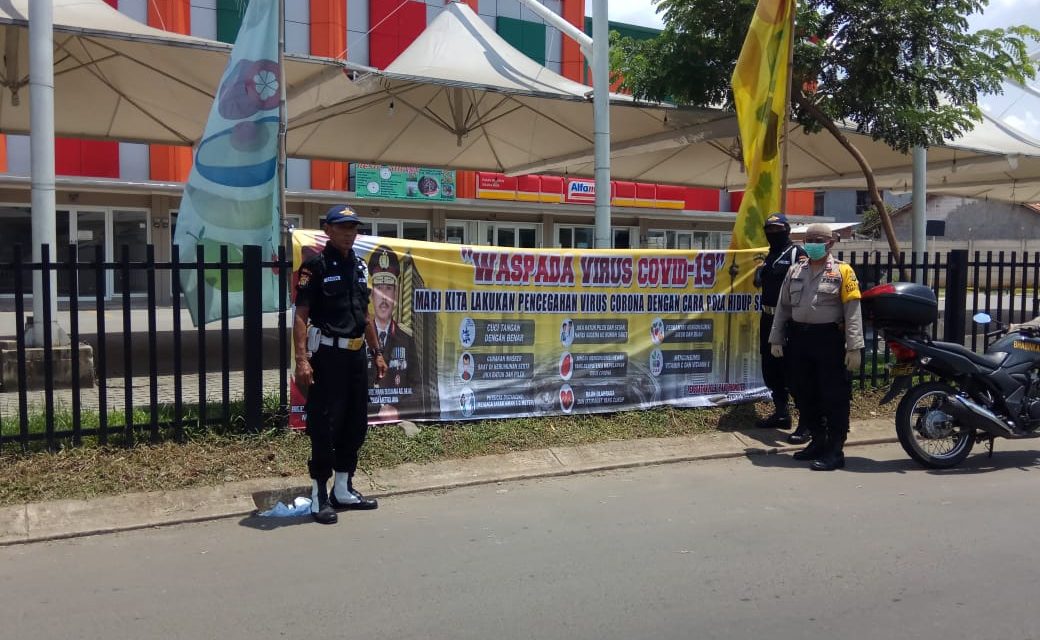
(975, 415)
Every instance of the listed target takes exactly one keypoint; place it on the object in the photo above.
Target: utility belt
(810, 328)
(316, 339)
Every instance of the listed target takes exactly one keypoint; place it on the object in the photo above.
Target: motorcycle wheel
(928, 435)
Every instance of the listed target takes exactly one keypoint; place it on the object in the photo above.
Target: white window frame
(633, 234)
(399, 224)
(494, 226)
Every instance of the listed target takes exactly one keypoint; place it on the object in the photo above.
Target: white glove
(776, 350)
(853, 359)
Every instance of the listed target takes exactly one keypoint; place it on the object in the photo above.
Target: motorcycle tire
(907, 428)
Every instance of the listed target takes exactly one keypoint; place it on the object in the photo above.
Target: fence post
(956, 296)
(252, 324)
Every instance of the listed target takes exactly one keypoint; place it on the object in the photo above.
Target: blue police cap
(777, 219)
(341, 213)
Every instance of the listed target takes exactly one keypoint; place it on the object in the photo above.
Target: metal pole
(920, 192)
(41, 146)
(601, 118)
(282, 119)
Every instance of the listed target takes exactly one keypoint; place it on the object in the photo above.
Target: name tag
(331, 278)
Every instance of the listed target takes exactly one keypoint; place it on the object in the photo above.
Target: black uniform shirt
(336, 290)
(774, 269)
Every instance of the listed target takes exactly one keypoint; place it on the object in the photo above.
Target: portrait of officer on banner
(399, 393)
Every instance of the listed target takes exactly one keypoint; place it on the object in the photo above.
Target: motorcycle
(972, 397)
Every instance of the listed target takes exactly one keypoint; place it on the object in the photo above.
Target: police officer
(770, 276)
(332, 297)
(400, 392)
(818, 318)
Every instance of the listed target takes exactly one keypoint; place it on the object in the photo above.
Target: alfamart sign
(486, 332)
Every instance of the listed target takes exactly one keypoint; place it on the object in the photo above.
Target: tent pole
(282, 117)
(41, 146)
(919, 197)
(601, 117)
(597, 54)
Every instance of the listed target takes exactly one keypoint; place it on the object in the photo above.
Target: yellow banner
(490, 332)
(759, 91)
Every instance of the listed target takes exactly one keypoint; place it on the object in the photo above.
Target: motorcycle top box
(906, 304)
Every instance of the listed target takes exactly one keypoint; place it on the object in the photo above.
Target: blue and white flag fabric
(232, 196)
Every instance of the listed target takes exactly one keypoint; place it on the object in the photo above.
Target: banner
(760, 95)
(488, 332)
(403, 183)
(232, 196)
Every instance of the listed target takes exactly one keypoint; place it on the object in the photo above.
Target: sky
(1017, 108)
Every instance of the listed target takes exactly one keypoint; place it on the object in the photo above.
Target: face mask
(778, 240)
(815, 250)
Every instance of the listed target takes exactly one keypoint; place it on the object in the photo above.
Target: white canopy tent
(458, 97)
(115, 78)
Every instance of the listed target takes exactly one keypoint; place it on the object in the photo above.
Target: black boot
(801, 435)
(814, 451)
(829, 462)
(321, 510)
(350, 498)
(775, 421)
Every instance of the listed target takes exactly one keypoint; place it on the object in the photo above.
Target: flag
(760, 94)
(232, 196)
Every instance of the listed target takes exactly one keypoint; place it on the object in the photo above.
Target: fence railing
(157, 378)
(165, 374)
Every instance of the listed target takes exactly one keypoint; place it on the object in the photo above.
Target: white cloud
(637, 12)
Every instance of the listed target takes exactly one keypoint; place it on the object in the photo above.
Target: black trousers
(337, 411)
(774, 370)
(816, 364)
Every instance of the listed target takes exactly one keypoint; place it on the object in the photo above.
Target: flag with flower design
(232, 197)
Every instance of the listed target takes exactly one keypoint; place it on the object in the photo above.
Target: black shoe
(325, 513)
(362, 503)
(800, 436)
(775, 421)
(809, 453)
(828, 463)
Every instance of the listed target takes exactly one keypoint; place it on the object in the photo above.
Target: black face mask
(778, 240)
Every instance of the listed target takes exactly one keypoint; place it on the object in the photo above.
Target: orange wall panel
(3, 154)
(572, 64)
(329, 39)
(800, 202)
(170, 163)
(466, 184)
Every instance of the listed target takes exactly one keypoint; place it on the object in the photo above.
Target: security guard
(332, 296)
(770, 277)
(818, 318)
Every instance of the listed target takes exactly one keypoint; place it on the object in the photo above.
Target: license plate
(901, 369)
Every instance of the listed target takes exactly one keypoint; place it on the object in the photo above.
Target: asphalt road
(748, 548)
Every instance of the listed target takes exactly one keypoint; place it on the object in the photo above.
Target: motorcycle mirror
(982, 318)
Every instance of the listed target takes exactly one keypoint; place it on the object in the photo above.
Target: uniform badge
(305, 277)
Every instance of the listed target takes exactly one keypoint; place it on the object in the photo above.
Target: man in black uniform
(332, 295)
(770, 277)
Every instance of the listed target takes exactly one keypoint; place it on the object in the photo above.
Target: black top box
(905, 304)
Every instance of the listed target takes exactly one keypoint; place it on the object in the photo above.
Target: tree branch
(868, 173)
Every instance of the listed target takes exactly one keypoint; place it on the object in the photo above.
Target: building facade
(116, 196)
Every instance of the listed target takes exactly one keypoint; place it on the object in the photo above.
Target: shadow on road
(975, 464)
(269, 524)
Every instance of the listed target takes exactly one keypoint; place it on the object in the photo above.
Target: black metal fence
(169, 360)
(1005, 285)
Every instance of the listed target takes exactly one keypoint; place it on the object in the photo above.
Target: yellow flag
(759, 91)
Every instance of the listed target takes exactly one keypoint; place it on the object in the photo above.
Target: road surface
(747, 548)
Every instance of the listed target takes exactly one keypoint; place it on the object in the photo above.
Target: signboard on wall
(387, 182)
(488, 332)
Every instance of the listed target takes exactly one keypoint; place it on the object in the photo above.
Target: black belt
(823, 327)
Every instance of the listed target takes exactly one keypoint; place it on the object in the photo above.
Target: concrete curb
(39, 522)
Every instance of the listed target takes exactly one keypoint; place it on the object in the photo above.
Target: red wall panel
(396, 24)
(702, 199)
